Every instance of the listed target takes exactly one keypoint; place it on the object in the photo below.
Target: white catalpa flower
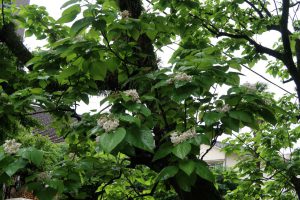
(250, 86)
(224, 109)
(11, 146)
(182, 77)
(110, 125)
(177, 138)
(125, 14)
(102, 120)
(133, 94)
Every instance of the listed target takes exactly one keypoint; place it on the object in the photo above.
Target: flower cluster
(108, 124)
(125, 14)
(133, 94)
(249, 86)
(11, 146)
(180, 77)
(177, 137)
(224, 108)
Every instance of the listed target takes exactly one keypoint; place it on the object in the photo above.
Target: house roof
(45, 120)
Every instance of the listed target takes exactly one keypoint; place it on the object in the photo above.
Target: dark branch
(255, 8)
(294, 4)
(9, 36)
(259, 48)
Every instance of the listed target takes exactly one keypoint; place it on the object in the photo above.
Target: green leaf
(185, 182)
(187, 166)
(182, 150)
(203, 171)
(109, 141)
(231, 123)
(145, 111)
(85, 98)
(164, 150)
(98, 70)
(151, 34)
(36, 156)
(67, 72)
(69, 14)
(81, 24)
(141, 138)
(212, 117)
(12, 168)
(67, 3)
(167, 172)
(242, 116)
(130, 119)
(32, 154)
(268, 116)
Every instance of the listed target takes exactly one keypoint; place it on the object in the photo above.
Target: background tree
(269, 161)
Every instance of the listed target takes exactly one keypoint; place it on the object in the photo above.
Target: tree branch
(9, 36)
(255, 8)
(259, 48)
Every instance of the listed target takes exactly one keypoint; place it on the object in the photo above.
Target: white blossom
(125, 14)
(224, 108)
(133, 94)
(182, 77)
(102, 120)
(11, 146)
(177, 137)
(250, 86)
(108, 123)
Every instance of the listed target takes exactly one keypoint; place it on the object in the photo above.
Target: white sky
(53, 7)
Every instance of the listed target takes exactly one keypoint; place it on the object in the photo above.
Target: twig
(212, 144)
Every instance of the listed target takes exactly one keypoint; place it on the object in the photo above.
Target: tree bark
(203, 189)
(9, 37)
(296, 182)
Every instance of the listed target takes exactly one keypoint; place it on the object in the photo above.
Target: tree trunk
(203, 189)
(296, 182)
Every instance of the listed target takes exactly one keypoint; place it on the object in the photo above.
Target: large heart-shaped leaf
(182, 150)
(109, 141)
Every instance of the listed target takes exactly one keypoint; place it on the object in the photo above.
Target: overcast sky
(53, 7)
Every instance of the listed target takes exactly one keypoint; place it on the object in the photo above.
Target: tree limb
(9, 36)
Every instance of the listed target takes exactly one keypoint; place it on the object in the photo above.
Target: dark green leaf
(142, 139)
(164, 150)
(187, 166)
(242, 116)
(167, 172)
(98, 70)
(182, 150)
(109, 141)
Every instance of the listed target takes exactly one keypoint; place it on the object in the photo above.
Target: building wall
(20, 32)
(216, 156)
(231, 160)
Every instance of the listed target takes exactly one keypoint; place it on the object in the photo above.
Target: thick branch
(13, 42)
(259, 48)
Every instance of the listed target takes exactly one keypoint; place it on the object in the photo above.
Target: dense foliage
(144, 142)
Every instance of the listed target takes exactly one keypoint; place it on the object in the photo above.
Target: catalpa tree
(154, 117)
